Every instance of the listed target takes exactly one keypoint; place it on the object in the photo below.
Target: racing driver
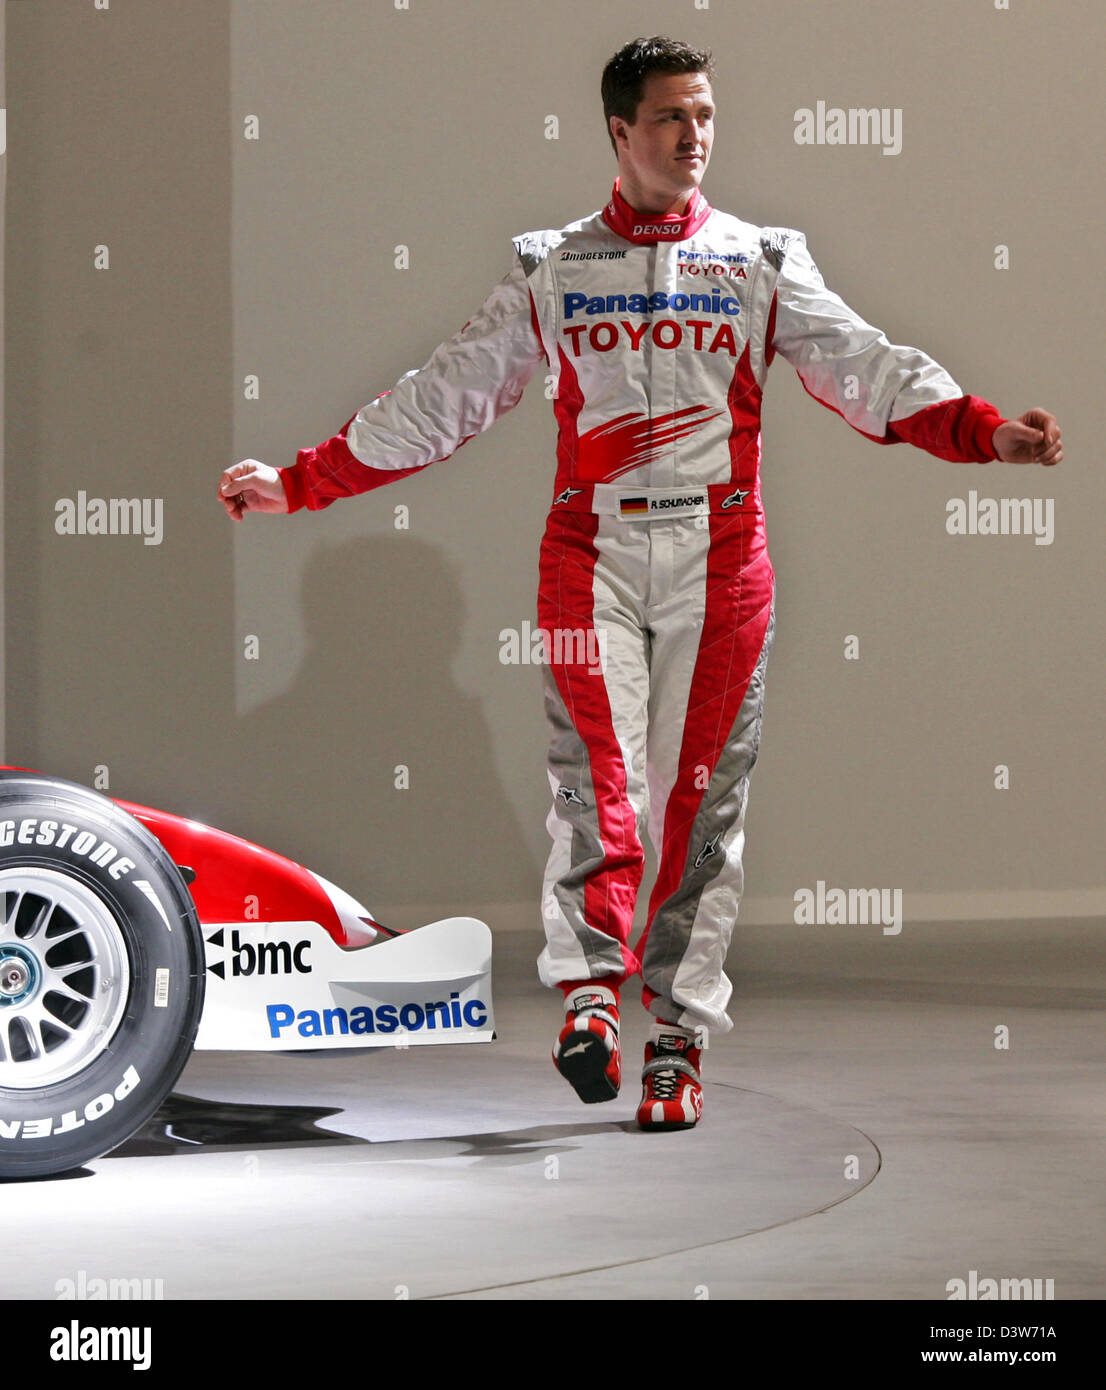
(658, 318)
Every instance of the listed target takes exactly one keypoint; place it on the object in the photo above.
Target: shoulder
(773, 244)
(780, 243)
(535, 248)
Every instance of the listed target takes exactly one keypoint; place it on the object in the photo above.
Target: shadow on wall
(321, 767)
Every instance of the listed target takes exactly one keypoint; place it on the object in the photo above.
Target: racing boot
(587, 1052)
(672, 1093)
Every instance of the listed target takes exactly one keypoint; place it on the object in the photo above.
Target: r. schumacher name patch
(664, 504)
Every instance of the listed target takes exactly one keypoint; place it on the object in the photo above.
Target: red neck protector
(645, 229)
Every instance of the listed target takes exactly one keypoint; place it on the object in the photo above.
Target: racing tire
(101, 975)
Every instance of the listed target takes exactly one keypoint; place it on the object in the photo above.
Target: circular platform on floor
(424, 1173)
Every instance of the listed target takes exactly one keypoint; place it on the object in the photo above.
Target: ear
(618, 129)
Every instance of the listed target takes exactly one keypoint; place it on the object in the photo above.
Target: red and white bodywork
(294, 962)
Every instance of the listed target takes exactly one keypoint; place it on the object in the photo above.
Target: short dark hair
(624, 76)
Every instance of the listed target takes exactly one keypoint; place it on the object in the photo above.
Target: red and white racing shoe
(587, 1052)
(672, 1092)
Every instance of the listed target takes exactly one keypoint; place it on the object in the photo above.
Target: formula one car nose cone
(355, 919)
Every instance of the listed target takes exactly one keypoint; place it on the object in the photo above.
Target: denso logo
(387, 1018)
(713, 303)
(658, 229)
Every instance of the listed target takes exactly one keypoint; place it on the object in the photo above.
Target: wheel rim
(64, 977)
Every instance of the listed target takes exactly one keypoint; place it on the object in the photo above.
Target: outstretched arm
(890, 394)
(469, 381)
(466, 385)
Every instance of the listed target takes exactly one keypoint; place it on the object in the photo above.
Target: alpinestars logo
(562, 497)
(736, 498)
(570, 796)
(711, 847)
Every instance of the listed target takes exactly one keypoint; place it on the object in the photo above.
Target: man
(658, 318)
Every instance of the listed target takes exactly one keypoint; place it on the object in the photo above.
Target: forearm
(960, 430)
(329, 471)
(469, 381)
(891, 394)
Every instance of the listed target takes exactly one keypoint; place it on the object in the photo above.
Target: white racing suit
(656, 587)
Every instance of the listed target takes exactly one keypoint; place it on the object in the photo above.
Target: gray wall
(377, 646)
(119, 385)
(3, 224)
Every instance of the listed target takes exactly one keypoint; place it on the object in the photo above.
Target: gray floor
(863, 1139)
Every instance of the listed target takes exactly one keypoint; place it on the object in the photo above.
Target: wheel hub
(64, 976)
(19, 974)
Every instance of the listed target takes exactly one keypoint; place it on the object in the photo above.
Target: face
(663, 156)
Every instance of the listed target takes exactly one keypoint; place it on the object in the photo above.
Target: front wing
(279, 986)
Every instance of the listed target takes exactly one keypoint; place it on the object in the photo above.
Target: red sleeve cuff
(295, 493)
(960, 430)
(323, 474)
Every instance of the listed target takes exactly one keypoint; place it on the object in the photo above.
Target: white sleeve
(469, 381)
(843, 361)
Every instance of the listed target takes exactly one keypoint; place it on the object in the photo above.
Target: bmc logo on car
(262, 958)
